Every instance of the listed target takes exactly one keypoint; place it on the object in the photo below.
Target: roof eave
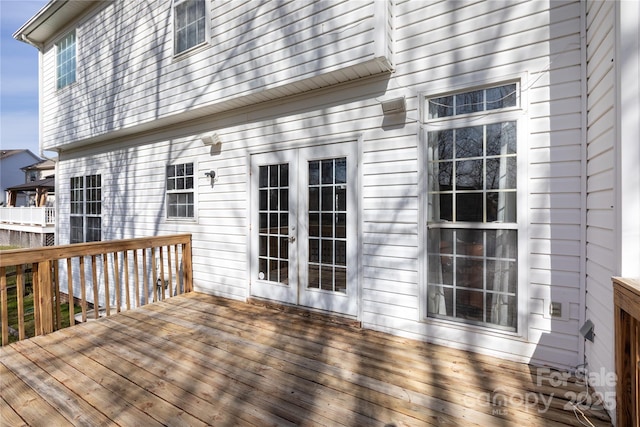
(36, 33)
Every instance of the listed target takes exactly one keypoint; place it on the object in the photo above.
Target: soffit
(52, 18)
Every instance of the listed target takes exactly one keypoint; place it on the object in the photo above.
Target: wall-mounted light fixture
(212, 176)
(211, 139)
(393, 106)
(587, 330)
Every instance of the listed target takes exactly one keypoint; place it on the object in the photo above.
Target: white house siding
(601, 220)
(127, 74)
(438, 47)
(445, 46)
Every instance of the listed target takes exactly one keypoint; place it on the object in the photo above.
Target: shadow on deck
(201, 360)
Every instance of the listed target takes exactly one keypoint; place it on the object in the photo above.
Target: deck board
(201, 360)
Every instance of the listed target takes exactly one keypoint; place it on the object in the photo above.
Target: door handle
(292, 239)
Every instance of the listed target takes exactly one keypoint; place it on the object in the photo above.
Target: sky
(18, 78)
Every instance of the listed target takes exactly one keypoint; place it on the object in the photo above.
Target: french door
(304, 227)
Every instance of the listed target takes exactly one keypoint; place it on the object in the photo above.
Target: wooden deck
(199, 360)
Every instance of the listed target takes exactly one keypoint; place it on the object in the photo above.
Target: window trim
(75, 59)
(518, 114)
(193, 191)
(174, 38)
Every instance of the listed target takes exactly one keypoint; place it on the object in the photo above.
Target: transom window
(86, 209)
(180, 194)
(189, 24)
(472, 272)
(66, 60)
(487, 99)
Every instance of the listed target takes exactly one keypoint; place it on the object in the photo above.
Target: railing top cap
(50, 253)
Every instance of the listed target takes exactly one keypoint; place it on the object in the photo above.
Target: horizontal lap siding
(390, 228)
(439, 46)
(443, 46)
(127, 74)
(601, 240)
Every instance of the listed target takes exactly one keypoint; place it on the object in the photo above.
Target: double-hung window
(472, 229)
(86, 209)
(189, 22)
(180, 193)
(66, 60)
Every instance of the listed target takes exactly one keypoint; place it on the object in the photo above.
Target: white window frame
(517, 114)
(89, 206)
(175, 29)
(181, 191)
(64, 66)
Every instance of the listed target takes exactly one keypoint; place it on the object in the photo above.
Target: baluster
(94, 277)
(177, 266)
(105, 271)
(154, 266)
(72, 311)
(83, 290)
(169, 273)
(126, 278)
(20, 296)
(37, 319)
(116, 272)
(145, 278)
(56, 291)
(162, 277)
(136, 276)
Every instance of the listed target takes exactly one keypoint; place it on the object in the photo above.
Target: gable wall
(440, 46)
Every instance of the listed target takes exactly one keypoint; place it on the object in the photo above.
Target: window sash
(66, 60)
(473, 167)
(180, 181)
(189, 24)
(473, 276)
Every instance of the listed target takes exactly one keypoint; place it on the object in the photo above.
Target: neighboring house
(11, 173)
(38, 188)
(464, 173)
(28, 219)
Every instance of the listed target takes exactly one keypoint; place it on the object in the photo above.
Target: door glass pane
(328, 225)
(273, 241)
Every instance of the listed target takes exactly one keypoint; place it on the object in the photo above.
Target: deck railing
(626, 298)
(45, 289)
(39, 216)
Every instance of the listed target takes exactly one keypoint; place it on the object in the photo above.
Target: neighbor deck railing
(92, 279)
(40, 216)
(626, 299)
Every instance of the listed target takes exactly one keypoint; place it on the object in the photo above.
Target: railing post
(4, 306)
(188, 273)
(626, 296)
(43, 309)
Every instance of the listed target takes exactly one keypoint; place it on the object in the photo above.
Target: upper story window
(180, 194)
(472, 218)
(189, 22)
(66, 60)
